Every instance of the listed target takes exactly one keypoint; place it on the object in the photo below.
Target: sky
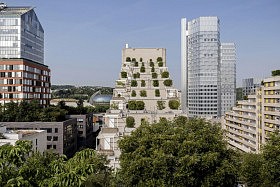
(84, 39)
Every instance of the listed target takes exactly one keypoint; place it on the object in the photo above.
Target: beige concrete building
(61, 136)
(249, 123)
(143, 92)
(37, 137)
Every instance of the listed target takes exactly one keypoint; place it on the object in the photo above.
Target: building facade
(85, 137)
(143, 92)
(249, 124)
(201, 67)
(22, 35)
(228, 76)
(23, 75)
(61, 136)
(37, 138)
(250, 85)
(22, 79)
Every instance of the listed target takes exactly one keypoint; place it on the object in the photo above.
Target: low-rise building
(61, 136)
(37, 137)
(85, 136)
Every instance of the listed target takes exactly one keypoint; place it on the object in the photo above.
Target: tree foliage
(49, 169)
(179, 153)
(173, 104)
(263, 169)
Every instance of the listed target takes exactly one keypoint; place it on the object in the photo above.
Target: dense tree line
(82, 92)
(183, 152)
(32, 111)
(86, 168)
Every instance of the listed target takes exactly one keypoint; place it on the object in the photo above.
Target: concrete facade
(85, 137)
(61, 136)
(249, 124)
(37, 137)
(143, 79)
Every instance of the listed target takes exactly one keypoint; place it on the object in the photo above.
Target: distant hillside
(81, 92)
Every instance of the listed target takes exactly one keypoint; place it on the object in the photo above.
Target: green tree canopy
(185, 152)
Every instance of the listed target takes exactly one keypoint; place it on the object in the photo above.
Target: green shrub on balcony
(159, 59)
(134, 83)
(136, 75)
(143, 93)
(133, 93)
(119, 83)
(155, 83)
(153, 69)
(136, 105)
(142, 69)
(157, 93)
(152, 64)
(160, 64)
(133, 60)
(143, 83)
(165, 74)
(154, 75)
(136, 64)
(168, 82)
(128, 59)
(160, 105)
(141, 59)
(124, 74)
(174, 104)
(130, 122)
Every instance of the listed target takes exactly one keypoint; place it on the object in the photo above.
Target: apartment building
(249, 124)
(85, 136)
(143, 92)
(22, 79)
(270, 106)
(23, 74)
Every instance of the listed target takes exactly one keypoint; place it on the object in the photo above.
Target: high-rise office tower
(201, 67)
(228, 76)
(23, 75)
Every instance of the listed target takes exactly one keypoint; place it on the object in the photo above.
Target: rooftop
(14, 10)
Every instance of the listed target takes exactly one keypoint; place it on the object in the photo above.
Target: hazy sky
(84, 38)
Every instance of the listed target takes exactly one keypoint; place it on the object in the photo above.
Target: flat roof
(15, 10)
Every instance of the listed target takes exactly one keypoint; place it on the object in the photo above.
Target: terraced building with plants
(143, 92)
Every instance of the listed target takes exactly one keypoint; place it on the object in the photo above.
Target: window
(80, 120)
(54, 146)
(49, 146)
(56, 130)
(49, 138)
(81, 126)
(55, 138)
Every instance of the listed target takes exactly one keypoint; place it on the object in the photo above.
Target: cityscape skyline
(97, 30)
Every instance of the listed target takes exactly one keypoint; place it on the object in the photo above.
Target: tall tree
(185, 152)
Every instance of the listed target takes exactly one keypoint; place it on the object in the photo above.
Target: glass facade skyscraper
(201, 67)
(228, 76)
(21, 34)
